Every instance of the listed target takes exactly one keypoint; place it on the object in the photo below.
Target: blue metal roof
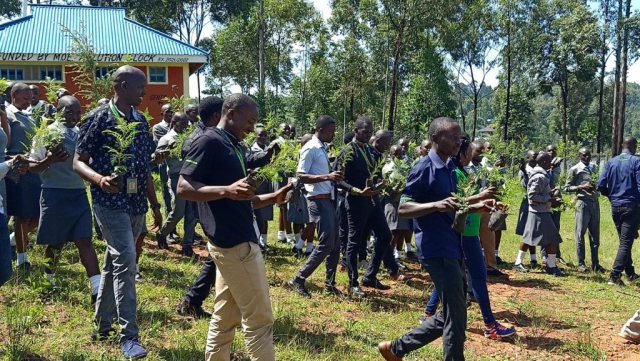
(108, 28)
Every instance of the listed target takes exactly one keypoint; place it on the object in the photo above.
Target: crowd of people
(361, 222)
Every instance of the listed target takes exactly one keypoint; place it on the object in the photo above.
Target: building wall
(177, 84)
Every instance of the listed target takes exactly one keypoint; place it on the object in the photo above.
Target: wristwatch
(155, 206)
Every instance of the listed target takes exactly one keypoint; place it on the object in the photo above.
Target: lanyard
(239, 154)
(366, 156)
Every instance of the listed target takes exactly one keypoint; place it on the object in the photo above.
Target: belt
(320, 196)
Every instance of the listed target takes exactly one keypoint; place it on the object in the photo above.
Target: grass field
(572, 318)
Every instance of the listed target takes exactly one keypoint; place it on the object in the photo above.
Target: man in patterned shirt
(120, 213)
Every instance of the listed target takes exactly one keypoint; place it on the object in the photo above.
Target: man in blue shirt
(427, 198)
(620, 182)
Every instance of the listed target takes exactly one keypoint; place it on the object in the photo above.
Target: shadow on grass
(524, 320)
(529, 283)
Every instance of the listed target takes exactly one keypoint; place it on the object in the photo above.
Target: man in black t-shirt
(214, 175)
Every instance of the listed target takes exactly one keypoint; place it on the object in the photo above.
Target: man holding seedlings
(116, 131)
(181, 208)
(23, 194)
(540, 231)
(314, 171)
(65, 214)
(225, 202)
(580, 180)
(428, 197)
(620, 182)
(364, 211)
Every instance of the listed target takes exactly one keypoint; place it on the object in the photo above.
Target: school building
(33, 47)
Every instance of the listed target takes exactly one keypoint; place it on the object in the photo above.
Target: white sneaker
(12, 238)
(139, 278)
(281, 236)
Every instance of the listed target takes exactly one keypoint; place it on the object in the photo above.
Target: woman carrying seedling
(65, 214)
(473, 255)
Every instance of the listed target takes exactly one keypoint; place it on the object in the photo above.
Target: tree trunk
(476, 93)
(394, 77)
(461, 108)
(603, 71)
(622, 104)
(564, 91)
(615, 146)
(261, 47)
(507, 111)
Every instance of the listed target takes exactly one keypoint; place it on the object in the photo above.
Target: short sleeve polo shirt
(216, 159)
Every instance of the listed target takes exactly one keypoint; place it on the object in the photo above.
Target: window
(31, 72)
(104, 71)
(157, 74)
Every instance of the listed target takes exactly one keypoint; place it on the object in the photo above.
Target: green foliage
(178, 102)
(91, 87)
(285, 163)
(465, 190)
(344, 156)
(52, 87)
(176, 147)
(4, 84)
(123, 134)
(49, 137)
(396, 179)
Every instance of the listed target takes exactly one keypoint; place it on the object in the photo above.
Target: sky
(491, 79)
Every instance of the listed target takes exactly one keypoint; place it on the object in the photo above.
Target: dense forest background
(562, 64)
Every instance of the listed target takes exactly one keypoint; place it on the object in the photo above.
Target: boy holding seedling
(65, 214)
(540, 229)
(580, 180)
(428, 197)
(314, 171)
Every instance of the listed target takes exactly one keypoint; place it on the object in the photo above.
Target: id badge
(132, 185)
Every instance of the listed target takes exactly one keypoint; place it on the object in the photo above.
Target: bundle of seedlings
(465, 190)
(343, 157)
(375, 180)
(284, 164)
(396, 179)
(494, 176)
(175, 148)
(124, 134)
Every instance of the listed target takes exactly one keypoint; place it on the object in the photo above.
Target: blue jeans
(474, 261)
(5, 251)
(117, 294)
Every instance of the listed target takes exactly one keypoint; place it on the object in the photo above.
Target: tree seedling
(124, 134)
(465, 190)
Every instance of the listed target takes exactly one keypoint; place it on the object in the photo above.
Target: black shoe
(598, 269)
(162, 241)
(297, 252)
(104, 335)
(333, 290)
(520, 268)
(632, 278)
(187, 309)
(299, 288)
(496, 273)
(356, 291)
(14, 253)
(25, 267)
(374, 284)
(411, 255)
(534, 264)
(613, 281)
(499, 261)
(94, 299)
(187, 251)
(198, 237)
(554, 271)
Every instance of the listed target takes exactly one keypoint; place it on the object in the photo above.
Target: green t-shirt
(472, 227)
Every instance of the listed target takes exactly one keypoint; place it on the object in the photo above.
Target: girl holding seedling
(65, 214)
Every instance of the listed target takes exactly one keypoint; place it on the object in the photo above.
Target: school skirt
(540, 230)
(299, 212)
(522, 216)
(263, 214)
(393, 219)
(65, 216)
(23, 198)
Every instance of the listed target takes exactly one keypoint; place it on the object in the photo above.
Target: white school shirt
(314, 160)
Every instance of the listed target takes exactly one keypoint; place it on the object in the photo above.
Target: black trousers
(363, 214)
(451, 322)
(202, 286)
(626, 220)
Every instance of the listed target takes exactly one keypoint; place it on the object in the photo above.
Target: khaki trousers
(488, 240)
(242, 299)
